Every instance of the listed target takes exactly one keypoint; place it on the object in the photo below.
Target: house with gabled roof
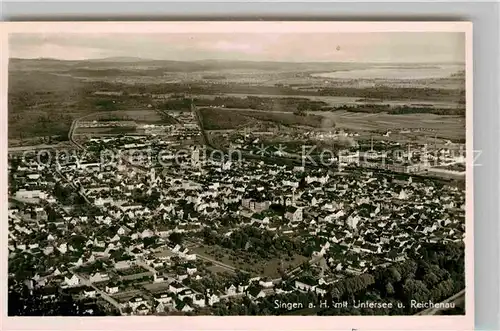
(255, 292)
(212, 298)
(186, 293)
(89, 292)
(231, 290)
(160, 308)
(71, 281)
(184, 307)
(199, 300)
(99, 277)
(142, 310)
(136, 302)
(293, 214)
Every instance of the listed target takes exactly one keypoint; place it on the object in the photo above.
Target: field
(286, 119)
(45, 96)
(143, 116)
(105, 131)
(156, 287)
(128, 119)
(217, 269)
(265, 268)
(445, 127)
(124, 296)
(225, 118)
(403, 127)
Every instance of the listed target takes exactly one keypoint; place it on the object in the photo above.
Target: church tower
(152, 176)
(195, 157)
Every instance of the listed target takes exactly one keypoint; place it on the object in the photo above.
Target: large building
(256, 201)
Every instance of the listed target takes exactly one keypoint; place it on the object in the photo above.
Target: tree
(367, 280)
(77, 242)
(408, 269)
(105, 105)
(389, 289)
(335, 293)
(415, 290)
(430, 279)
(299, 112)
(209, 237)
(394, 276)
(176, 238)
(148, 241)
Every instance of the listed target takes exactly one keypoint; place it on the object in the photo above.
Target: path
(83, 195)
(146, 266)
(218, 263)
(103, 294)
(74, 126)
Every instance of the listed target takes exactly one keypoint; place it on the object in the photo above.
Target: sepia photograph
(239, 169)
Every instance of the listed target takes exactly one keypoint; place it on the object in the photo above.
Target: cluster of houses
(106, 124)
(134, 213)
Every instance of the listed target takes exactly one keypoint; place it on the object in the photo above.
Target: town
(147, 224)
(239, 173)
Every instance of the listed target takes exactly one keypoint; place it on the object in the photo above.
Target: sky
(411, 47)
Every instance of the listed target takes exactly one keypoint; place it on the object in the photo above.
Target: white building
(72, 281)
(30, 194)
(111, 289)
(99, 277)
(294, 214)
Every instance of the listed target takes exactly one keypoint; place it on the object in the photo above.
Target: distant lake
(394, 72)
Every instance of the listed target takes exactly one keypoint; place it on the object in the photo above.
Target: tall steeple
(152, 176)
(195, 157)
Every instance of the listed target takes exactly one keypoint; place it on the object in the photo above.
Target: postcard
(238, 175)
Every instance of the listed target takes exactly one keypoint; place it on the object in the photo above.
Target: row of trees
(437, 273)
(378, 92)
(428, 110)
(396, 93)
(264, 103)
(405, 109)
(175, 104)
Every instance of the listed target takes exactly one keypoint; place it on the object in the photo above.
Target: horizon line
(132, 58)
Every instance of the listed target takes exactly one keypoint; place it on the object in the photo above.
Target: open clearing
(266, 268)
(447, 127)
(105, 131)
(428, 125)
(145, 116)
(231, 118)
(156, 287)
(128, 118)
(216, 269)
